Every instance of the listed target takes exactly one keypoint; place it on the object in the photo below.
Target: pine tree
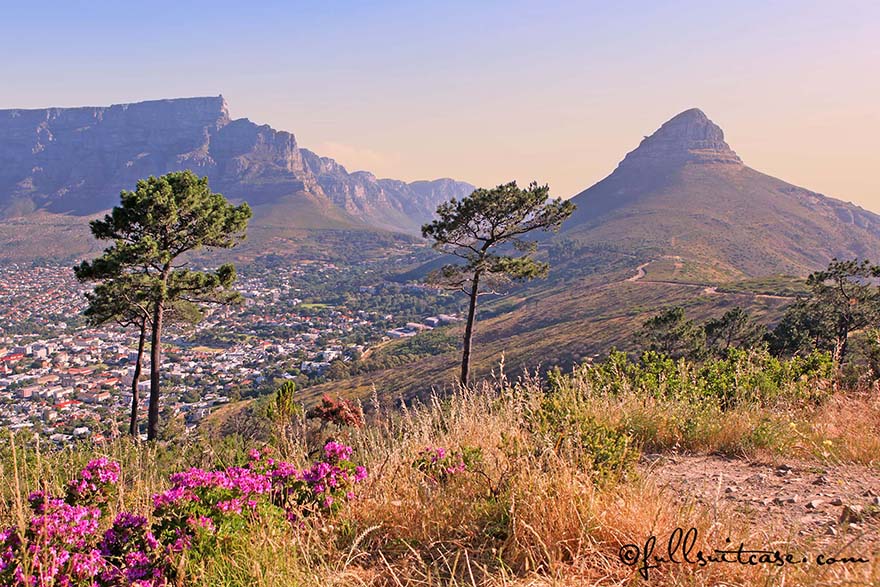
(162, 220)
(477, 227)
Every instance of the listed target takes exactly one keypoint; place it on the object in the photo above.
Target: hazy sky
(483, 91)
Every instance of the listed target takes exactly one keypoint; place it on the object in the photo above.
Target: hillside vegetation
(527, 482)
(558, 323)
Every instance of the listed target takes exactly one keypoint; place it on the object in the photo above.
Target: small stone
(730, 489)
(783, 468)
(875, 501)
(792, 499)
(814, 504)
(851, 514)
(837, 501)
(831, 531)
(823, 480)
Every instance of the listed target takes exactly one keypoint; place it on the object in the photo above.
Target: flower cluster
(94, 483)
(439, 464)
(329, 480)
(204, 504)
(133, 556)
(63, 545)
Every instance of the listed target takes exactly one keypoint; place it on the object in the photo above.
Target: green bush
(740, 377)
(565, 421)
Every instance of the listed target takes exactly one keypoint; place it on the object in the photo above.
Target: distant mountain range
(684, 192)
(75, 161)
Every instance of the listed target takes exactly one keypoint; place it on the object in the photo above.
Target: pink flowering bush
(203, 505)
(329, 482)
(63, 544)
(439, 465)
(94, 483)
(133, 555)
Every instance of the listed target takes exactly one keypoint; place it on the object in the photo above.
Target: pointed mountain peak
(688, 137)
(694, 115)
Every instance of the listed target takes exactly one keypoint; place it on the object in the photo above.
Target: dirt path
(640, 272)
(707, 288)
(802, 499)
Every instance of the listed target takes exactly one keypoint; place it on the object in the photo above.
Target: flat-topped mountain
(77, 160)
(685, 192)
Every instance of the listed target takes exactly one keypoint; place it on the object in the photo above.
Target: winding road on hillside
(707, 288)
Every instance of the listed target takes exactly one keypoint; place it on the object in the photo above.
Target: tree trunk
(155, 357)
(839, 350)
(469, 331)
(136, 378)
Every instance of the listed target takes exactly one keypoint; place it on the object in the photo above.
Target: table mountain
(77, 160)
(684, 192)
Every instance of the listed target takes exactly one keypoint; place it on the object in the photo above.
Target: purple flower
(230, 505)
(335, 451)
(173, 496)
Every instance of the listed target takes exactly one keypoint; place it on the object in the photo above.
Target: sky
(483, 91)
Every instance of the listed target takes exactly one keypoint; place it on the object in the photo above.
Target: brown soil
(813, 504)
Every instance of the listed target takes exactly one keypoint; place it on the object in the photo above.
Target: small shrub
(610, 452)
(341, 412)
(565, 419)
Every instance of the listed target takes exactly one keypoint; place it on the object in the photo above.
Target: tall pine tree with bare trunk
(486, 230)
(153, 229)
(121, 299)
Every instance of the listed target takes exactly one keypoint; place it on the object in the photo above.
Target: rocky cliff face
(389, 203)
(689, 137)
(77, 160)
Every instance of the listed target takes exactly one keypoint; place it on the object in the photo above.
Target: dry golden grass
(847, 428)
(531, 515)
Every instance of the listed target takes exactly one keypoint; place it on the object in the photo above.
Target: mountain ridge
(77, 160)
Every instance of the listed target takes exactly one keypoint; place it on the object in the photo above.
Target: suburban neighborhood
(69, 381)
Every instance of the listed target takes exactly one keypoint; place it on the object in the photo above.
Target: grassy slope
(46, 236)
(297, 224)
(552, 324)
(729, 219)
(534, 514)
